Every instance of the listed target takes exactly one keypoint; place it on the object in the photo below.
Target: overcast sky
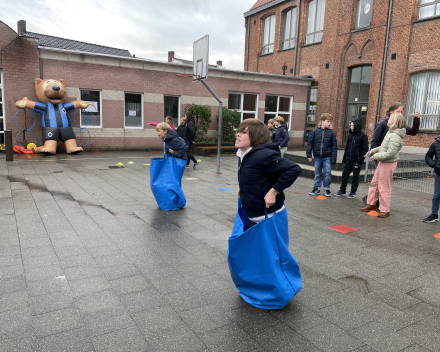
(148, 28)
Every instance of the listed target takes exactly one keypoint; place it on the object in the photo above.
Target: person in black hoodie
(190, 137)
(184, 132)
(322, 141)
(354, 156)
(174, 144)
(282, 136)
(262, 173)
(434, 150)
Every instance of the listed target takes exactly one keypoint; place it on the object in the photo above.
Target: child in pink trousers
(387, 155)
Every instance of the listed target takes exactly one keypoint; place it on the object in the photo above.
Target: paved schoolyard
(89, 263)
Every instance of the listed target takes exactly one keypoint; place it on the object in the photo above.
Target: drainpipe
(247, 46)
(384, 61)
(297, 35)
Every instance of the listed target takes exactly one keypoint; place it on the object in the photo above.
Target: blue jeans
(323, 165)
(436, 197)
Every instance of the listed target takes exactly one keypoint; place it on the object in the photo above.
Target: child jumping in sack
(354, 156)
(174, 144)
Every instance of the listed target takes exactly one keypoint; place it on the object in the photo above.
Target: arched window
(429, 8)
(424, 95)
(289, 29)
(268, 35)
(365, 8)
(315, 21)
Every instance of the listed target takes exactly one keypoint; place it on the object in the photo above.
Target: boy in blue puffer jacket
(282, 136)
(174, 144)
(322, 142)
(354, 156)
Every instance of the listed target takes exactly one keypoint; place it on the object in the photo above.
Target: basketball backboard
(200, 58)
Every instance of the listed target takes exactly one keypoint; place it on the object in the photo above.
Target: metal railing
(412, 173)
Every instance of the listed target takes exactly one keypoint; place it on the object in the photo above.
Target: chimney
(170, 56)
(21, 27)
(219, 63)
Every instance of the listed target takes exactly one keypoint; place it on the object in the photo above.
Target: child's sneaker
(195, 164)
(352, 195)
(431, 218)
(315, 191)
(186, 166)
(327, 193)
(340, 193)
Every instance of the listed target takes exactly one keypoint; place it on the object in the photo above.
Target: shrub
(230, 121)
(202, 119)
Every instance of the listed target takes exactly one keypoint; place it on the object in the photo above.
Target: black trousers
(349, 167)
(190, 157)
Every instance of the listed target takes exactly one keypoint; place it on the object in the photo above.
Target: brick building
(130, 92)
(342, 44)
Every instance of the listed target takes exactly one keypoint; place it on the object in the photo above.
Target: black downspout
(247, 46)
(307, 111)
(384, 62)
(297, 36)
(41, 68)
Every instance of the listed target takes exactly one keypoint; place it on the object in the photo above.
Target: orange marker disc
(373, 213)
(437, 235)
(321, 197)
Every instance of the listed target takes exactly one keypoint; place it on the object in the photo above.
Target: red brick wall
(7, 35)
(417, 45)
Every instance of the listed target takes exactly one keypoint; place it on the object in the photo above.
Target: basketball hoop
(189, 75)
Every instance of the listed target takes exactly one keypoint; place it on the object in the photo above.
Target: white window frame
(3, 104)
(428, 122)
(142, 111)
(100, 104)
(264, 45)
(178, 111)
(358, 15)
(436, 8)
(314, 23)
(275, 114)
(242, 102)
(292, 25)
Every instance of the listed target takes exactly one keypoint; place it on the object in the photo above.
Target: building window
(365, 8)
(245, 103)
(92, 117)
(289, 30)
(171, 107)
(268, 35)
(315, 21)
(277, 105)
(133, 110)
(424, 95)
(311, 111)
(429, 8)
(2, 111)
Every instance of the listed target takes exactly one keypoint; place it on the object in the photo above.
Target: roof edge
(262, 7)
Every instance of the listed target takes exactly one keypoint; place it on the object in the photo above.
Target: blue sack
(265, 273)
(166, 182)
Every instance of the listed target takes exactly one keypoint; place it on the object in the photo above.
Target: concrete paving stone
(111, 260)
(43, 287)
(365, 349)
(226, 299)
(171, 284)
(41, 251)
(329, 337)
(193, 270)
(120, 271)
(362, 284)
(205, 318)
(391, 343)
(429, 279)
(157, 271)
(82, 272)
(35, 242)
(89, 285)
(298, 317)
(104, 251)
(210, 283)
(10, 250)
(72, 251)
(324, 283)
(280, 338)
(66, 242)
(76, 340)
(211, 259)
(43, 272)
(143, 300)
(424, 311)
(14, 300)
(8, 272)
(186, 299)
(250, 319)
(108, 320)
(229, 338)
(373, 332)
(17, 341)
(428, 295)
(157, 319)
(96, 301)
(394, 299)
(130, 284)
(50, 302)
(80, 260)
(36, 262)
(415, 348)
(15, 320)
(176, 339)
(314, 298)
(354, 298)
(127, 340)
(55, 322)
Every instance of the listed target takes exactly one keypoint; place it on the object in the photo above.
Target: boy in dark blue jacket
(282, 136)
(262, 173)
(354, 156)
(432, 158)
(173, 143)
(322, 142)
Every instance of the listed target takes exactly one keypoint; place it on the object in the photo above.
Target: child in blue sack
(174, 144)
(262, 173)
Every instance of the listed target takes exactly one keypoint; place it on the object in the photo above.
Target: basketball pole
(220, 109)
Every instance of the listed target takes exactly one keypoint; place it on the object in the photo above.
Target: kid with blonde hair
(174, 144)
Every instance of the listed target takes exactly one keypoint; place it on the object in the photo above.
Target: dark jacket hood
(171, 134)
(357, 125)
(438, 139)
